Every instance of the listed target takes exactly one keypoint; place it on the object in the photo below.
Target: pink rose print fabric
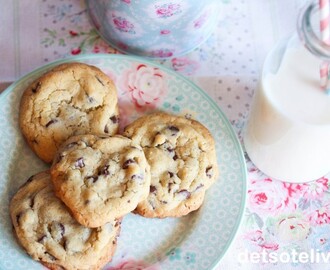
(282, 216)
(162, 53)
(291, 228)
(315, 189)
(123, 24)
(199, 22)
(185, 65)
(321, 215)
(165, 32)
(168, 9)
(134, 265)
(144, 85)
(257, 242)
(269, 196)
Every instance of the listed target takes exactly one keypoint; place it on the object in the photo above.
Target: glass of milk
(287, 135)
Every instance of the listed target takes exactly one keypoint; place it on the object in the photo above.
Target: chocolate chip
(30, 179)
(174, 130)
(58, 158)
(86, 143)
(175, 157)
(118, 222)
(65, 245)
(52, 257)
(105, 170)
(18, 217)
(114, 119)
(102, 137)
(90, 99)
(129, 201)
(209, 172)
(106, 130)
(36, 87)
(53, 121)
(163, 202)
(170, 174)
(35, 141)
(185, 193)
(32, 202)
(152, 204)
(87, 202)
(153, 189)
(137, 177)
(93, 178)
(80, 163)
(170, 149)
(99, 80)
(42, 238)
(199, 187)
(127, 163)
(62, 229)
(170, 185)
(188, 116)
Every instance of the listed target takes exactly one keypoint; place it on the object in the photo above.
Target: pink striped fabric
(325, 36)
(324, 20)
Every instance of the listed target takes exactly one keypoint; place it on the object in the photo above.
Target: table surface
(279, 217)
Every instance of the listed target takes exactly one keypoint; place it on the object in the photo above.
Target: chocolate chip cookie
(182, 158)
(71, 99)
(100, 177)
(49, 234)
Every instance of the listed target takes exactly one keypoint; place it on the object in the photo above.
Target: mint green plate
(197, 241)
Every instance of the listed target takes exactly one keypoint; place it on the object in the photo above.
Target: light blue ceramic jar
(159, 29)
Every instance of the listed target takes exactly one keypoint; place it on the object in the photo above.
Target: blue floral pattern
(174, 254)
(188, 23)
(320, 238)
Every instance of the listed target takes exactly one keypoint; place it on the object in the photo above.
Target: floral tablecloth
(280, 218)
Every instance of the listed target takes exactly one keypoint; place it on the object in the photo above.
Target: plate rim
(231, 132)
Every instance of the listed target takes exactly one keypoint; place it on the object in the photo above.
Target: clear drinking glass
(287, 135)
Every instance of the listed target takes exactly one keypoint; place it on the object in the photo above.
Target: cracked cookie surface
(100, 177)
(183, 163)
(70, 99)
(49, 233)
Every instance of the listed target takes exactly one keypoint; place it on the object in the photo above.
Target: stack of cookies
(69, 216)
